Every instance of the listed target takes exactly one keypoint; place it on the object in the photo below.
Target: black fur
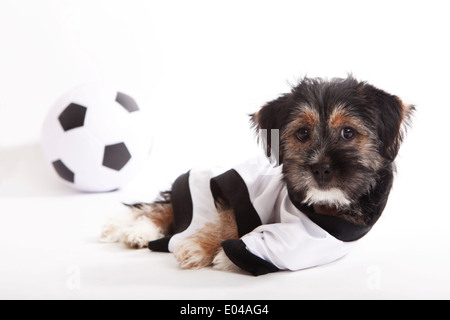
(165, 197)
(363, 170)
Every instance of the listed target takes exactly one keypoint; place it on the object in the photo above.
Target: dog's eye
(348, 133)
(302, 134)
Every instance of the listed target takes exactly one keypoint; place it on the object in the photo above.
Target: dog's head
(335, 137)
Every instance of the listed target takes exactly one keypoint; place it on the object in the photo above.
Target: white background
(199, 68)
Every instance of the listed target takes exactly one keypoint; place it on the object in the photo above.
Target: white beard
(332, 197)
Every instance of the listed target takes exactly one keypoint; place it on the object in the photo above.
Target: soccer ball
(96, 138)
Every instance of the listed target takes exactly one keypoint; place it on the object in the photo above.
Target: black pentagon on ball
(72, 117)
(127, 102)
(64, 172)
(116, 156)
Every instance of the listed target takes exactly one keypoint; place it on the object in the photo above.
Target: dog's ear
(394, 117)
(269, 123)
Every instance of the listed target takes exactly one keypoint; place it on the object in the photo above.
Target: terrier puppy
(333, 143)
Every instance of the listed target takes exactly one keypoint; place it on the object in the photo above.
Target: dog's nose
(322, 172)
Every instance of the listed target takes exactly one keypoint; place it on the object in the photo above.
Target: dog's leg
(222, 262)
(143, 223)
(153, 221)
(200, 249)
(113, 229)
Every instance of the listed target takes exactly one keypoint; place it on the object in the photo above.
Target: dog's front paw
(112, 231)
(222, 262)
(109, 233)
(140, 233)
(191, 254)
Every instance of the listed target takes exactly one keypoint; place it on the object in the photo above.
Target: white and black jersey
(275, 233)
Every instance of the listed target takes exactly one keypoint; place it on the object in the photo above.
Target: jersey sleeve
(291, 246)
(251, 189)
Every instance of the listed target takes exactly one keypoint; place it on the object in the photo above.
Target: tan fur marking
(307, 118)
(339, 118)
(310, 118)
(200, 249)
(160, 214)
